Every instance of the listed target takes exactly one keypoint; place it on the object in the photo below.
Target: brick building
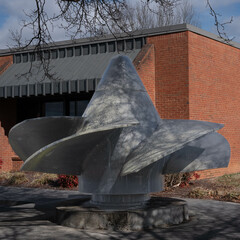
(189, 74)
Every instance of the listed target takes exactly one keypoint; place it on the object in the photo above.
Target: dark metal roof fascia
(38, 89)
(106, 38)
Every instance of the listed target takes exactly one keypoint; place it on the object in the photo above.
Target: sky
(12, 12)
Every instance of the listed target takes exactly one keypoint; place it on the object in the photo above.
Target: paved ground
(28, 219)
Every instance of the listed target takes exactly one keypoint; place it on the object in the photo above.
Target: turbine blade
(30, 135)
(208, 152)
(68, 155)
(171, 136)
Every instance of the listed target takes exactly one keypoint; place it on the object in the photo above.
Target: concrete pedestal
(158, 212)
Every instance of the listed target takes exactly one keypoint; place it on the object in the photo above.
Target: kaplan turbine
(120, 148)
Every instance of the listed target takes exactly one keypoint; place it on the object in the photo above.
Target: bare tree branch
(93, 18)
(220, 26)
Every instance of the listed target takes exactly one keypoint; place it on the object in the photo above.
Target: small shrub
(17, 178)
(4, 177)
(67, 181)
(179, 179)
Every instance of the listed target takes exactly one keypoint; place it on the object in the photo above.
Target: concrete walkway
(29, 219)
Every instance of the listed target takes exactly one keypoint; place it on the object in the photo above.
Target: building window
(129, 44)
(18, 58)
(102, 47)
(120, 45)
(86, 50)
(54, 54)
(39, 56)
(77, 51)
(32, 57)
(69, 52)
(25, 57)
(54, 109)
(138, 43)
(46, 55)
(77, 108)
(62, 53)
(94, 49)
(111, 46)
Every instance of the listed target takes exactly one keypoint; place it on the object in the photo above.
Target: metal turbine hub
(120, 147)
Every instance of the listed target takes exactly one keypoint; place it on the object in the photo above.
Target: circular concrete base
(157, 213)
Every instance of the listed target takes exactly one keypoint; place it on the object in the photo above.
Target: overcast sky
(12, 11)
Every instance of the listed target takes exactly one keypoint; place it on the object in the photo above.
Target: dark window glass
(94, 49)
(77, 108)
(31, 89)
(138, 43)
(18, 58)
(1, 91)
(24, 90)
(9, 91)
(25, 57)
(32, 57)
(102, 47)
(54, 54)
(69, 52)
(62, 53)
(129, 44)
(48, 88)
(46, 55)
(111, 46)
(39, 54)
(77, 51)
(85, 50)
(120, 45)
(54, 109)
(56, 87)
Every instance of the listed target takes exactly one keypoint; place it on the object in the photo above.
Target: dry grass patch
(200, 192)
(17, 178)
(28, 179)
(44, 179)
(230, 180)
(223, 195)
(225, 188)
(4, 177)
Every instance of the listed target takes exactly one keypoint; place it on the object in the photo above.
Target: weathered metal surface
(207, 152)
(169, 137)
(120, 146)
(31, 135)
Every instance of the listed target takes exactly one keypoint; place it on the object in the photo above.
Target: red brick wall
(16, 163)
(7, 119)
(171, 58)
(145, 66)
(6, 152)
(5, 62)
(214, 91)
